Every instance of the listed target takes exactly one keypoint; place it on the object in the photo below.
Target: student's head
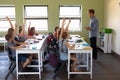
(64, 35)
(20, 27)
(20, 30)
(32, 29)
(11, 33)
(7, 37)
(91, 12)
(56, 28)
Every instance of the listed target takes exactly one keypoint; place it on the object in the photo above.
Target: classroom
(59, 39)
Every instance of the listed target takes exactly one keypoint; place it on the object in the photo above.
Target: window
(38, 16)
(6, 11)
(73, 13)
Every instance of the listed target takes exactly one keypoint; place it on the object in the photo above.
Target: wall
(53, 10)
(112, 20)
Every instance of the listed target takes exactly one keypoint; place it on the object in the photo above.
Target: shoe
(95, 61)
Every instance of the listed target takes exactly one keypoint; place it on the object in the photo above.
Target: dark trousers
(93, 41)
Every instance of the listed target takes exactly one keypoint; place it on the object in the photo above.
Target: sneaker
(95, 61)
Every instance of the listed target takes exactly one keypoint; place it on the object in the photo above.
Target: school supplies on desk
(85, 44)
(78, 41)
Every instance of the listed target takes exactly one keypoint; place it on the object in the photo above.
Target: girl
(64, 30)
(31, 31)
(63, 48)
(11, 44)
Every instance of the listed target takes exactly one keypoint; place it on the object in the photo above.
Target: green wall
(53, 11)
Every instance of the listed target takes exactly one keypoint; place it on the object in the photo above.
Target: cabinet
(105, 40)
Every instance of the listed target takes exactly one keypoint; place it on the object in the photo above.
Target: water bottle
(28, 43)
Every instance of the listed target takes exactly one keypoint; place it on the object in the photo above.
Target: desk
(80, 49)
(3, 40)
(40, 47)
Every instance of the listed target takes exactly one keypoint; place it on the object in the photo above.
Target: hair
(92, 11)
(10, 31)
(20, 30)
(56, 28)
(59, 33)
(20, 27)
(32, 28)
(9, 34)
(64, 35)
(8, 37)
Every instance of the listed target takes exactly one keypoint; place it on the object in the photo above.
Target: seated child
(31, 31)
(11, 43)
(63, 48)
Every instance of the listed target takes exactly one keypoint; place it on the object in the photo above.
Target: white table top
(78, 45)
(34, 44)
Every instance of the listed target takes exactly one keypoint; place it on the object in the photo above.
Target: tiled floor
(108, 68)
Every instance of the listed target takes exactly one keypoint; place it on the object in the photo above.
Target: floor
(107, 68)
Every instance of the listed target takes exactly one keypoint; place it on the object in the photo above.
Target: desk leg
(17, 64)
(91, 64)
(68, 65)
(39, 61)
(87, 61)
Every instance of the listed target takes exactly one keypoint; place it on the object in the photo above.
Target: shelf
(105, 42)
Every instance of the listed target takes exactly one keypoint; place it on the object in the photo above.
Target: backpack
(52, 50)
(53, 60)
(52, 45)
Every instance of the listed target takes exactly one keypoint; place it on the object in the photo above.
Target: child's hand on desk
(22, 46)
(73, 45)
(25, 43)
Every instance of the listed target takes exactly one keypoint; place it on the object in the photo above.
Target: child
(64, 30)
(11, 25)
(31, 31)
(21, 37)
(63, 48)
(11, 43)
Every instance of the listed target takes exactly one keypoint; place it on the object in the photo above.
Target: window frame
(36, 18)
(3, 18)
(72, 17)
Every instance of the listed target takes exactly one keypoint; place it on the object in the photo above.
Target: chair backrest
(20, 39)
(9, 54)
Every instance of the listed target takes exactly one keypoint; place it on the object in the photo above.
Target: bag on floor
(53, 60)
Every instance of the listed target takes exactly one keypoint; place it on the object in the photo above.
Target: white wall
(112, 20)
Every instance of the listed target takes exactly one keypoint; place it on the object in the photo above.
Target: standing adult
(93, 31)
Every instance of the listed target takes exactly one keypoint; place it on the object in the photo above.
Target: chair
(12, 62)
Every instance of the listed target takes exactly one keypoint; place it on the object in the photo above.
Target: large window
(6, 11)
(38, 16)
(73, 13)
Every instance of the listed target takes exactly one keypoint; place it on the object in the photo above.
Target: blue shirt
(94, 24)
(63, 49)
